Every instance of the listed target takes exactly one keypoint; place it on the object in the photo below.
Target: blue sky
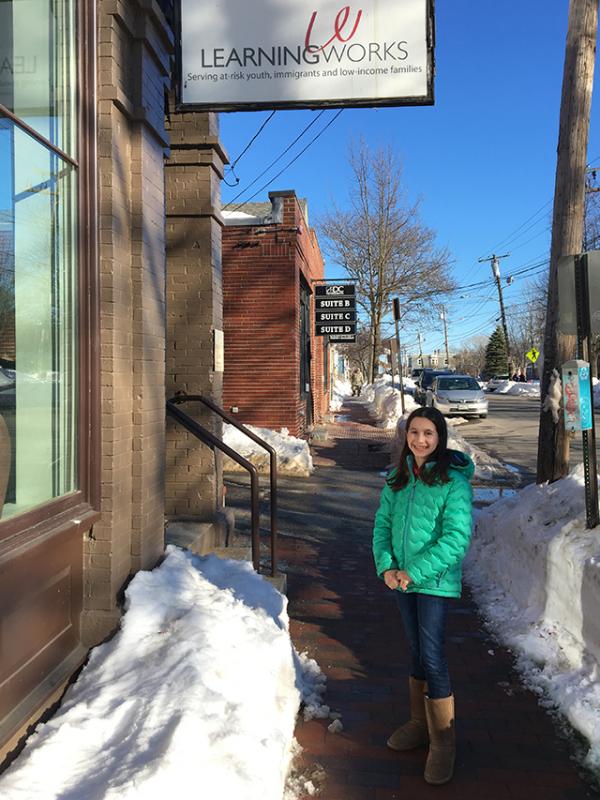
(482, 159)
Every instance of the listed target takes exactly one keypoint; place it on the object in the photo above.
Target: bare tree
(527, 321)
(470, 359)
(383, 245)
(358, 352)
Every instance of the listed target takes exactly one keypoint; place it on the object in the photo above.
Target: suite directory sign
(236, 54)
(335, 311)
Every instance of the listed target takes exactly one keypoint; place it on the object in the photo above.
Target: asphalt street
(510, 433)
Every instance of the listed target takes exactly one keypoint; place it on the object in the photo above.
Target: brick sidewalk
(342, 615)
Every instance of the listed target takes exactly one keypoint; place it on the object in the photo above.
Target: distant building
(435, 360)
(276, 370)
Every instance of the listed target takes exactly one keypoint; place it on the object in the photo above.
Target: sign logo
(338, 29)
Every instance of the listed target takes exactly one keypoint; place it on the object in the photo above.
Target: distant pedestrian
(515, 376)
(421, 535)
(356, 381)
(522, 378)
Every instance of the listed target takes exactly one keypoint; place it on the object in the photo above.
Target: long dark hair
(441, 456)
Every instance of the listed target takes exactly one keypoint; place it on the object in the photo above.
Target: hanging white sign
(237, 54)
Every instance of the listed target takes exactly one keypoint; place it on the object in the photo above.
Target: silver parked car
(457, 394)
(495, 381)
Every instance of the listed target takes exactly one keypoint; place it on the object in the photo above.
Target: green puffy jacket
(426, 530)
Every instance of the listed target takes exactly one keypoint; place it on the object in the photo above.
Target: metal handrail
(200, 432)
(182, 397)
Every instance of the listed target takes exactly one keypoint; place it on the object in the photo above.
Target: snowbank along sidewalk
(195, 696)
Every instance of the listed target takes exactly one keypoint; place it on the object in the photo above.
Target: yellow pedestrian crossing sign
(533, 355)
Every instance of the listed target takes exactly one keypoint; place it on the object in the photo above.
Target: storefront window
(38, 253)
(37, 67)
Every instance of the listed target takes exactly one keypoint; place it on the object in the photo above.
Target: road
(510, 433)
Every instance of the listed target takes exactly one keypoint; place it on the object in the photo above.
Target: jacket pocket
(441, 577)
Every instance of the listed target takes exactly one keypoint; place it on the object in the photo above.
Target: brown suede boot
(439, 767)
(414, 732)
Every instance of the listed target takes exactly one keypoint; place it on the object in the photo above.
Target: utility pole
(420, 348)
(567, 218)
(496, 270)
(443, 317)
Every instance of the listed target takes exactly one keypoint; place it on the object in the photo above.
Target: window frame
(81, 507)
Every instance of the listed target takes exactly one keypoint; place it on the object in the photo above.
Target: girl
(422, 532)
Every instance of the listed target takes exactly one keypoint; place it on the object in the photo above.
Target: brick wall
(262, 269)
(312, 267)
(194, 308)
(134, 48)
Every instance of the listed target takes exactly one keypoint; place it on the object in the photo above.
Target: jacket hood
(462, 462)
(459, 461)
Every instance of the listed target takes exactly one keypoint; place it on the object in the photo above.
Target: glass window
(38, 334)
(37, 67)
(455, 384)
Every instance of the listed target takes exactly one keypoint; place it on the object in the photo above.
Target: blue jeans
(424, 618)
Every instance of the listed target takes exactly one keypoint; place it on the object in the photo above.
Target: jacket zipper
(407, 520)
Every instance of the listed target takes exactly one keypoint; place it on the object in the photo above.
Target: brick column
(194, 307)
(134, 47)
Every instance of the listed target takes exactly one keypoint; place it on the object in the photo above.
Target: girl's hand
(403, 579)
(390, 578)
(396, 579)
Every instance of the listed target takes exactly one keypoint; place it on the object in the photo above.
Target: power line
(279, 157)
(546, 230)
(246, 148)
(296, 157)
(254, 138)
(511, 236)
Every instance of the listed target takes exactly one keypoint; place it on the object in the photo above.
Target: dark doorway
(305, 353)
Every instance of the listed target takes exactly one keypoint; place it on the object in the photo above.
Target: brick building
(276, 369)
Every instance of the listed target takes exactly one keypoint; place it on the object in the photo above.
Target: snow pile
(195, 696)
(408, 383)
(553, 399)
(341, 389)
(293, 455)
(487, 468)
(534, 570)
(385, 403)
(528, 389)
(518, 388)
(504, 387)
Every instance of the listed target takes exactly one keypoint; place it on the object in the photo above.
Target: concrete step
(236, 552)
(201, 536)
(279, 581)
(242, 553)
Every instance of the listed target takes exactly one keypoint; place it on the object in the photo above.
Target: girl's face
(422, 438)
